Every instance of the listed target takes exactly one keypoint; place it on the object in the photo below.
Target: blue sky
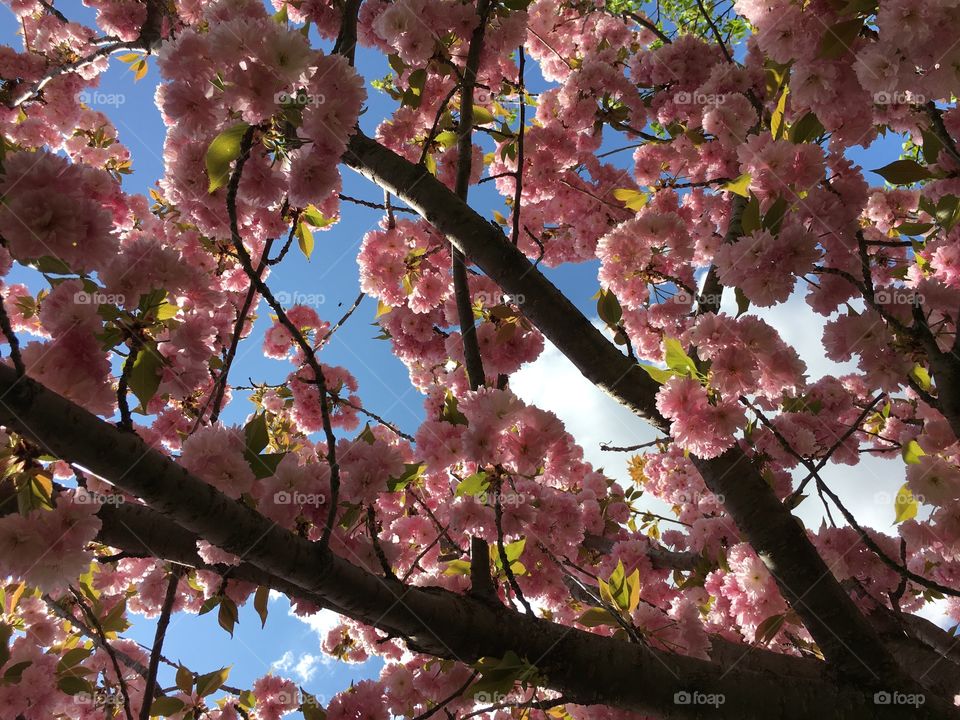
(199, 641)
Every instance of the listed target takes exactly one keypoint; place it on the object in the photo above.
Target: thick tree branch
(586, 667)
(840, 630)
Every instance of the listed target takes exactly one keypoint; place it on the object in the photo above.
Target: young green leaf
(224, 149)
(739, 186)
(473, 485)
(305, 239)
(903, 172)
(260, 600)
(145, 375)
(904, 505)
(839, 38)
(211, 682)
(912, 452)
(632, 199)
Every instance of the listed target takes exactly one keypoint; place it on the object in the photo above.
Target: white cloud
(321, 622)
(590, 415)
(866, 489)
(303, 667)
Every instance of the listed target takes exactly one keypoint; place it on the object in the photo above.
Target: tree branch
(779, 539)
(586, 667)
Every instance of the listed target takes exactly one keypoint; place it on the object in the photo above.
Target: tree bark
(584, 666)
(841, 631)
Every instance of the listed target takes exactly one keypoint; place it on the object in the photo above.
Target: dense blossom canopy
(126, 495)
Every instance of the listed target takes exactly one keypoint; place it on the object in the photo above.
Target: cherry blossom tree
(125, 495)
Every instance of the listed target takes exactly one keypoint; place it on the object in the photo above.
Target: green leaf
(264, 465)
(228, 615)
(409, 475)
(311, 708)
(913, 229)
(948, 211)
(73, 657)
(116, 620)
(382, 309)
(743, 302)
(260, 600)
(658, 374)
(931, 147)
(224, 149)
(677, 359)
(738, 186)
(777, 123)
(416, 80)
(839, 38)
(597, 616)
(620, 590)
(5, 632)
(774, 216)
(912, 452)
(212, 681)
(184, 679)
(73, 685)
(451, 412)
(52, 266)
(457, 567)
(498, 675)
(209, 604)
(305, 239)
(167, 706)
(632, 199)
(146, 374)
(473, 485)
(247, 699)
(256, 433)
(903, 172)
(608, 307)
(921, 376)
(750, 219)
(481, 116)
(904, 505)
(768, 629)
(805, 129)
(316, 218)
(396, 64)
(166, 310)
(446, 139)
(13, 674)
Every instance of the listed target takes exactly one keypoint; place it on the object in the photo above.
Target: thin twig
(162, 623)
(308, 351)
